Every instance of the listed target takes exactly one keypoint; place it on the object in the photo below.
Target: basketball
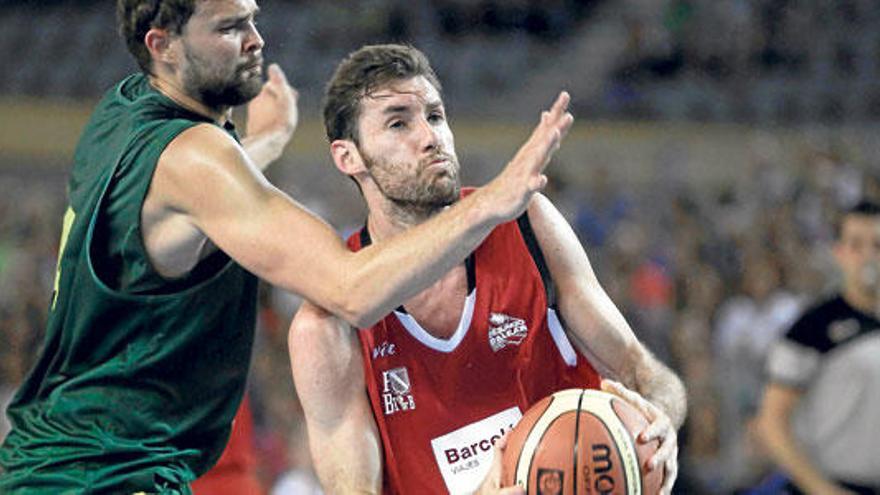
(580, 441)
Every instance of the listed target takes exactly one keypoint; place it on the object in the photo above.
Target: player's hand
(492, 483)
(274, 111)
(659, 428)
(524, 175)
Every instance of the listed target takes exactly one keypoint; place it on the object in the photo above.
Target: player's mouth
(438, 161)
(254, 67)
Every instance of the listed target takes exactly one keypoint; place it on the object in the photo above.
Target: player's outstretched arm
(601, 333)
(205, 178)
(329, 378)
(774, 425)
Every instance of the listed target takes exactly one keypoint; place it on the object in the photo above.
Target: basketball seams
(629, 459)
(630, 488)
(628, 415)
(612, 414)
(535, 451)
(560, 403)
(577, 443)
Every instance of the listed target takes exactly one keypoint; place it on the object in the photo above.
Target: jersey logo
(384, 349)
(842, 330)
(464, 456)
(396, 391)
(506, 330)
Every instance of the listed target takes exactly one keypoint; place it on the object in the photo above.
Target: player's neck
(175, 92)
(390, 218)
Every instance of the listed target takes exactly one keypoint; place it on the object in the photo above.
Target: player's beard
(220, 86)
(420, 193)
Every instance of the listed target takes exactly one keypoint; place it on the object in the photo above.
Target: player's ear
(347, 157)
(158, 43)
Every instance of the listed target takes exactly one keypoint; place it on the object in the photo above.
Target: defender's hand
(492, 484)
(659, 428)
(274, 111)
(512, 190)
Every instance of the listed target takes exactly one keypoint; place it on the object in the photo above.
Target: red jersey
(236, 471)
(441, 404)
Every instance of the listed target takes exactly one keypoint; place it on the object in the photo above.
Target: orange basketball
(580, 442)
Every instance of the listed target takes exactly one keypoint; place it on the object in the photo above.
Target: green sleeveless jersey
(139, 376)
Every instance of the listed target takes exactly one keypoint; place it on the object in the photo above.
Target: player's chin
(249, 88)
(445, 191)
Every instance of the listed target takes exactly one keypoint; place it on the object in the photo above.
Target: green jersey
(139, 376)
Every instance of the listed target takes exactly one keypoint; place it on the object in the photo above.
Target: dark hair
(360, 73)
(864, 208)
(136, 17)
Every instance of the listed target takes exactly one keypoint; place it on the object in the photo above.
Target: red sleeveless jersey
(441, 404)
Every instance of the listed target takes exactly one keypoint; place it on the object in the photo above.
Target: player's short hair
(864, 208)
(362, 72)
(136, 17)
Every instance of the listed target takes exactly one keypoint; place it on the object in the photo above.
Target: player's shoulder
(204, 137)
(202, 143)
(821, 319)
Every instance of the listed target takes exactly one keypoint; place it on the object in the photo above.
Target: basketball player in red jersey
(453, 369)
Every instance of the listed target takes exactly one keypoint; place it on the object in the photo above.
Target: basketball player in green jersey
(170, 222)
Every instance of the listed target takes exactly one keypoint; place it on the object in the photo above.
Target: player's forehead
(213, 11)
(409, 94)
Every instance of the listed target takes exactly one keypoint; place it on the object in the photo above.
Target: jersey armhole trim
(566, 350)
(89, 240)
(525, 229)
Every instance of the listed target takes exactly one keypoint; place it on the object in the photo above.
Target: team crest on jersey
(506, 330)
(396, 391)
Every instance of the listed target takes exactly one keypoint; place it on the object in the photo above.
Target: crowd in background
(707, 276)
(754, 61)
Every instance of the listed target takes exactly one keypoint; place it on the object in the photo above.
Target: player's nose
(253, 41)
(428, 136)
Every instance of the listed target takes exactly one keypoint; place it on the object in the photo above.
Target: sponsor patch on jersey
(396, 391)
(842, 330)
(464, 456)
(505, 330)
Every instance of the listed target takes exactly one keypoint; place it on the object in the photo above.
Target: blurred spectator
(818, 419)
(746, 326)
